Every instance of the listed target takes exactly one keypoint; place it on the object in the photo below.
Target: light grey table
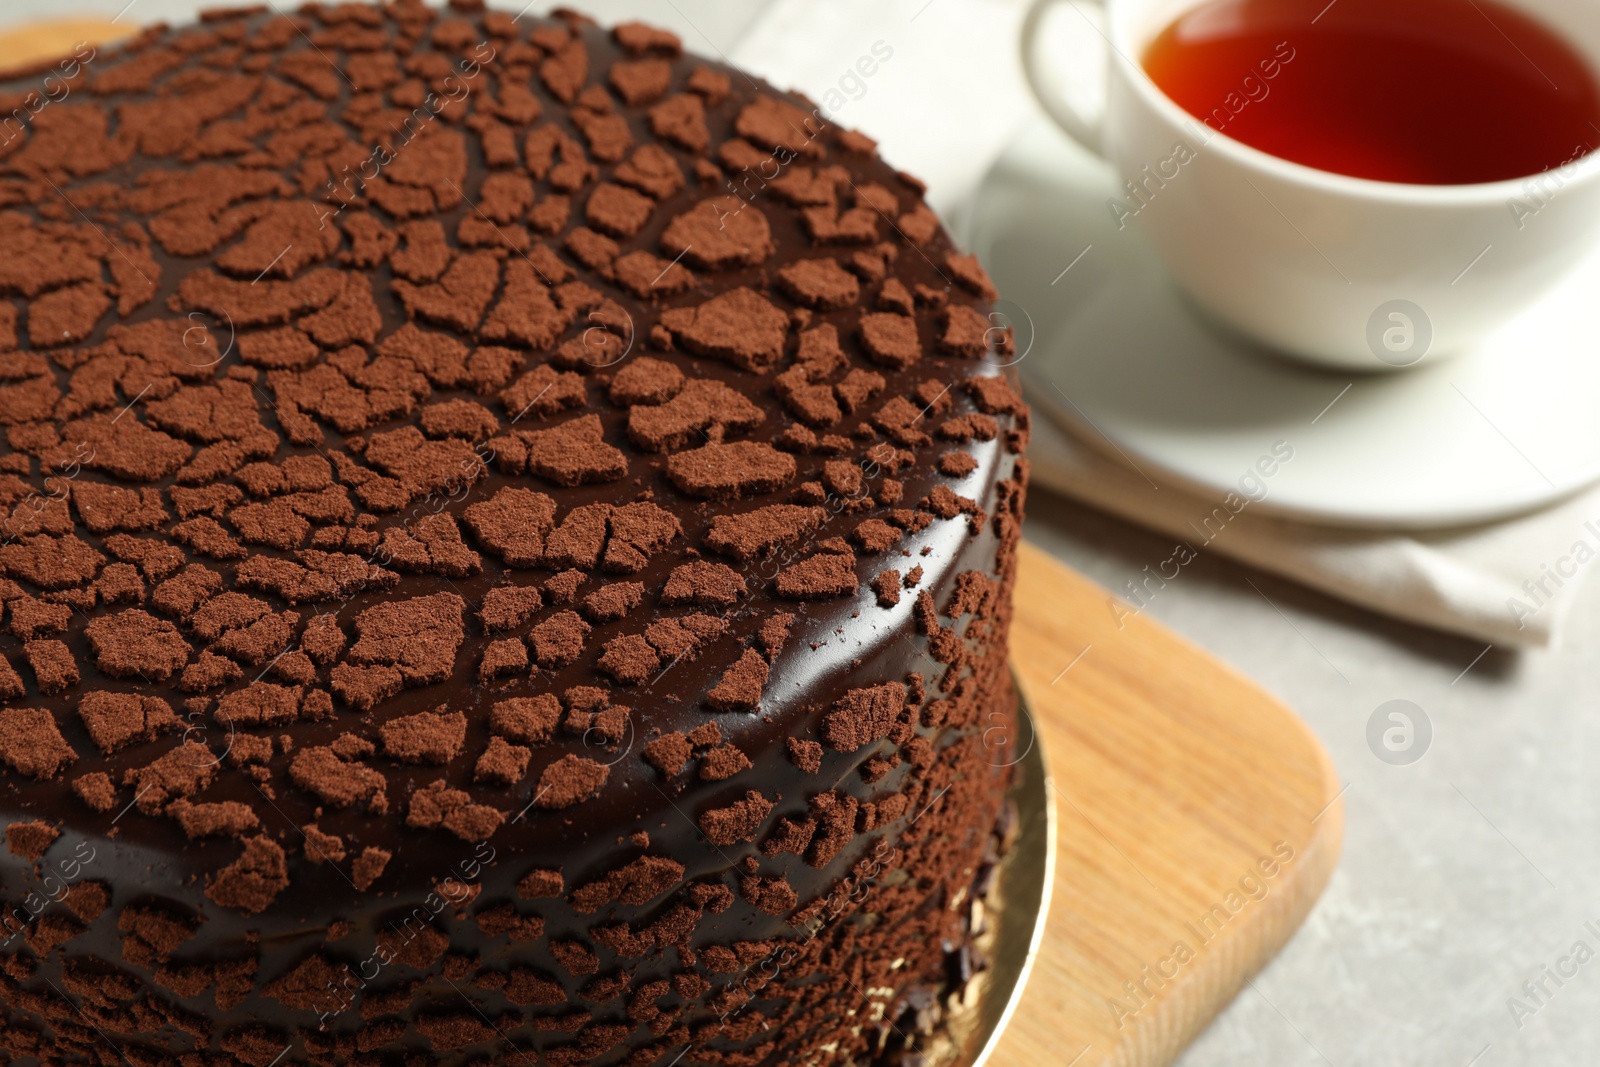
(1465, 874)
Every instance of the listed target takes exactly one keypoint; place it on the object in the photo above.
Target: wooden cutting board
(25, 45)
(1197, 821)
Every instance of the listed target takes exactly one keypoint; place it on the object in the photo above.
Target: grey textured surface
(1464, 874)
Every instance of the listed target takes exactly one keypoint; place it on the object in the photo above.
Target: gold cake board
(1196, 818)
(1196, 823)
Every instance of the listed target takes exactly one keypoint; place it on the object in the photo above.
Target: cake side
(509, 553)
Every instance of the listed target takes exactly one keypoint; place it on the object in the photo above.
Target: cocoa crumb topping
(366, 520)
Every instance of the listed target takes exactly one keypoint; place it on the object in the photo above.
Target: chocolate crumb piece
(427, 737)
(419, 637)
(53, 666)
(856, 143)
(540, 884)
(741, 327)
(30, 839)
(807, 755)
(703, 584)
(636, 883)
(757, 533)
(723, 762)
(703, 410)
(887, 586)
(502, 762)
(826, 574)
(891, 340)
(526, 720)
(725, 472)
(863, 716)
(820, 283)
(577, 958)
(135, 644)
(574, 454)
(30, 618)
(116, 720)
(741, 685)
(995, 396)
(559, 640)
(322, 847)
(969, 273)
(640, 81)
(775, 124)
(711, 84)
(773, 634)
(337, 777)
(612, 602)
(369, 866)
(513, 524)
(640, 39)
(775, 896)
(508, 607)
(957, 464)
(569, 780)
(31, 744)
(502, 659)
(737, 822)
(95, 789)
(669, 753)
(894, 296)
(646, 381)
(964, 332)
(437, 805)
(254, 880)
(874, 536)
(227, 818)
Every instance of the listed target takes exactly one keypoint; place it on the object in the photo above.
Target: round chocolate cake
(509, 533)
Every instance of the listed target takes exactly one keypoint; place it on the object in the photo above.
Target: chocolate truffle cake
(508, 542)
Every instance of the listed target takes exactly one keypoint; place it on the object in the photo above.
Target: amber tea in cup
(1423, 92)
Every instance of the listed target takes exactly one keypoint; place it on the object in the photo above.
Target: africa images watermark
(1253, 486)
(1537, 992)
(850, 86)
(1251, 889)
(456, 890)
(1540, 590)
(55, 88)
(1541, 190)
(1151, 179)
(56, 884)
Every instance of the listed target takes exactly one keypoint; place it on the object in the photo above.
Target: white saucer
(1118, 353)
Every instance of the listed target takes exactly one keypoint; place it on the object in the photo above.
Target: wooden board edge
(22, 47)
(1178, 1012)
(1184, 1009)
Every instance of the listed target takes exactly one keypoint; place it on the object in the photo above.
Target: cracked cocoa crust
(544, 600)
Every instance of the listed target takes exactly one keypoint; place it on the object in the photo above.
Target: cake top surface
(432, 425)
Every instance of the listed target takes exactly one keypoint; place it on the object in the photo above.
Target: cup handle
(1089, 134)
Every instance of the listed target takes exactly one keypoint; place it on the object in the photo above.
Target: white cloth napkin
(943, 106)
(1507, 583)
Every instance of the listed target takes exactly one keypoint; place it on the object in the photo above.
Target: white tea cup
(1332, 269)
